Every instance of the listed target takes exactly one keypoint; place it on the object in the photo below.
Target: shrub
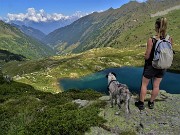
(24, 110)
(65, 121)
(88, 94)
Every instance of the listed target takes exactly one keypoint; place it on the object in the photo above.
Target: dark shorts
(151, 72)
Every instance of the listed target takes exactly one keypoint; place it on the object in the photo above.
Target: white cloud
(18, 17)
(41, 16)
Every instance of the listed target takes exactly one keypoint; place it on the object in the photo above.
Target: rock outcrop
(164, 119)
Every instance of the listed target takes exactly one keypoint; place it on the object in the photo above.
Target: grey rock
(81, 103)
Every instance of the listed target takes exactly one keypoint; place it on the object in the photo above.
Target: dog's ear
(106, 76)
(113, 74)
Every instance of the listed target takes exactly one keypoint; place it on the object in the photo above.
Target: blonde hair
(161, 26)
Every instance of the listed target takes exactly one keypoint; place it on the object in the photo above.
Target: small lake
(131, 76)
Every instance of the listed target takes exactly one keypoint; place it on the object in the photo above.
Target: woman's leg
(155, 91)
(140, 103)
(145, 82)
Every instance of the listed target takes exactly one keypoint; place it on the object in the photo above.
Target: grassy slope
(27, 111)
(13, 40)
(44, 74)
(142, 32)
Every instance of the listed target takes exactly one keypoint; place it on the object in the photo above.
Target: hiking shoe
(150, 105)
(140, 105)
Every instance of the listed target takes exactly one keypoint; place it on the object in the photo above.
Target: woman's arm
(148, 49)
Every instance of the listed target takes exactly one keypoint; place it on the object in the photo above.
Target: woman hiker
(149, 71)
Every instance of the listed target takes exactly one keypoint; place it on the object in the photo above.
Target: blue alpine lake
(131, 76)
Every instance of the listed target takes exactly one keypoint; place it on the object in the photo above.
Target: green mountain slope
(110, 28)
(13, 40)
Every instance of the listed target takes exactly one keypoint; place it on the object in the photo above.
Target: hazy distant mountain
(39, 19)
(114, 27)
(45, 27)
(13, 40)
(35, 33)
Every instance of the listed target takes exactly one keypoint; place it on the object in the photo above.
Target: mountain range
(114, 27)
(128, 25)
(45, 27)
(41, 20)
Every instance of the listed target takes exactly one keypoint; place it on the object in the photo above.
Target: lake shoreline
(131, 76)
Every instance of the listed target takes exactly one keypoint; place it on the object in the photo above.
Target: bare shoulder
(150, 42)
(171, 39)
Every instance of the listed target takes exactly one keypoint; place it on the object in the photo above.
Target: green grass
(139, 34)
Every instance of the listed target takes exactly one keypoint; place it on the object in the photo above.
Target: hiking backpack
(163, 54)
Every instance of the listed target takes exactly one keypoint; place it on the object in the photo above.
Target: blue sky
(65, 7)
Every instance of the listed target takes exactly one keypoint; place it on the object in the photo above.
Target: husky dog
(118, 91)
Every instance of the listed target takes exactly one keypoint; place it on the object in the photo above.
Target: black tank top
(149, 61)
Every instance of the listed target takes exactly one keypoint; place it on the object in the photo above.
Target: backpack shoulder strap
(154, 39)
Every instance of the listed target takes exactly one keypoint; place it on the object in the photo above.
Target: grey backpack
(163, 54)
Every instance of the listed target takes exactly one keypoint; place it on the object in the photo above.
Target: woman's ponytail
(161, 26)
